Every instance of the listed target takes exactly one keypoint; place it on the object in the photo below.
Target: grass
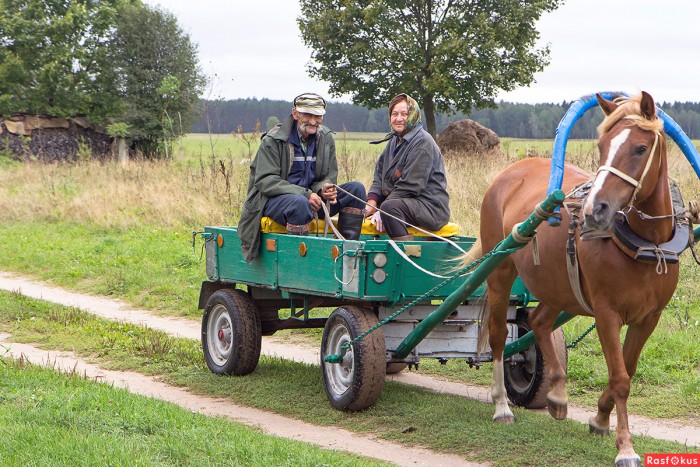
(404, 414)
(105, 229)
(63, 419)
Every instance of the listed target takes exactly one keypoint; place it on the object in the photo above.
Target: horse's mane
(629, 108)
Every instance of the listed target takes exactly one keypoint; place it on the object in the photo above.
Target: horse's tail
(483, 342)
(470, 256)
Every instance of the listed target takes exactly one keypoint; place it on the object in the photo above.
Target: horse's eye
(639, 150)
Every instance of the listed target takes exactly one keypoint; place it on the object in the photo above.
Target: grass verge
(50, 418)
(404, 414)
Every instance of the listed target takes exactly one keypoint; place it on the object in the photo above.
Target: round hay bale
(467, 136)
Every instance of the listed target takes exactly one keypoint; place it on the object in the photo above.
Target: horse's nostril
(601, 210)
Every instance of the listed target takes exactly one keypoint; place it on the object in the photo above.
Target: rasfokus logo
(672, 459)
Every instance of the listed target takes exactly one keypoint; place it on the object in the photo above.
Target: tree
(113, 61)
(53, 57)
(159, 78)
(447, 54)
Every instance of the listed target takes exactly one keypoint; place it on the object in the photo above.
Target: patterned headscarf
(413, 118)
(412, 121)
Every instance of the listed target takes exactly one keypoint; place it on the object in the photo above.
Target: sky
(253, 49)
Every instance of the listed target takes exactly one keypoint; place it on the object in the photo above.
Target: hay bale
(467, 136)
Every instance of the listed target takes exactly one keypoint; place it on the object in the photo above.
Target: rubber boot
(403, 238)
(294, 229)
(350, 223)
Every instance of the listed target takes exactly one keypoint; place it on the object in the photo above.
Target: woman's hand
(377, 221)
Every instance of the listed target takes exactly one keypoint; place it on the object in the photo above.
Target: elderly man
(294, 172)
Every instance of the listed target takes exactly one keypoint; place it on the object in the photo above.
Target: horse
(631, 184)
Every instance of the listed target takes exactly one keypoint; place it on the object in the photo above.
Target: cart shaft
(476, 278)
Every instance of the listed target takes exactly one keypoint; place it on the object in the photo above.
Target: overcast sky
(253, 49)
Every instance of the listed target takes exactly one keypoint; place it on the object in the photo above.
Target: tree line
(509, 120)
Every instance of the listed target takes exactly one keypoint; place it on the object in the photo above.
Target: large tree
(53, 57)
(448, 54)
(159, 77)
(109, 60)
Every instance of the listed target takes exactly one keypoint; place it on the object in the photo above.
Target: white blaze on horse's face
(598, 215)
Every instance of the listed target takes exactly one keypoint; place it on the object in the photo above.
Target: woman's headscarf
(412, 120)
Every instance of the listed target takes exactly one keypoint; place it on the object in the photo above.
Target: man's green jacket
(268, 177)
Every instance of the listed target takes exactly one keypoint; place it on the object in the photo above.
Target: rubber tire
(357, 382)
(395, 367)
(528, 387)
(231, 311)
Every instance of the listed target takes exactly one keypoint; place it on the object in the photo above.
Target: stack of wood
(52, 139)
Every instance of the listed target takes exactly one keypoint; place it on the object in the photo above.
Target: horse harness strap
(624, 238)
(573, 269)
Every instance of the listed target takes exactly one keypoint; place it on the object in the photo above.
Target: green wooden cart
(402, 285)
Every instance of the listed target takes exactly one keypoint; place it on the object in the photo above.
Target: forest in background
(509, 120)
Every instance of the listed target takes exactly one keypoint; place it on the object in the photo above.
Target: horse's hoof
(593, 429)
(557, 409)
(504, 419)
(628, 461)
(596, 429)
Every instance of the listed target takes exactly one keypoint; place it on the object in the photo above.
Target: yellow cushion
(316, 226)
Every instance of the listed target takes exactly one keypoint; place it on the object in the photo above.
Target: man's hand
(315, 201)
(328, 192)
(370, 208)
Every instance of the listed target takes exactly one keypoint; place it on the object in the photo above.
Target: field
(126, 232)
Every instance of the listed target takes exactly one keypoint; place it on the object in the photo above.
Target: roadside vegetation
(404, 414)
(62, 419)
(126, 232)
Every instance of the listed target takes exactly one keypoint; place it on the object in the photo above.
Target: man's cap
(310, 103)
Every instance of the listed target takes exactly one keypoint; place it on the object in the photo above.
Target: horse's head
(630, 145)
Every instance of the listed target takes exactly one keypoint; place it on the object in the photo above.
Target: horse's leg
(608, 326)
(499, 285)
(637, 336)
(541, 320)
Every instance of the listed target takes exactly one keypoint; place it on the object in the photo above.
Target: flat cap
(310, 103)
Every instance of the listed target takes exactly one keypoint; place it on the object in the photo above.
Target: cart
(394, 302)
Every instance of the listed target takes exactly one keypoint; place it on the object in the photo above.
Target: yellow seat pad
(267, 225)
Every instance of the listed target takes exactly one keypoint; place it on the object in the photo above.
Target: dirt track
(116, 310)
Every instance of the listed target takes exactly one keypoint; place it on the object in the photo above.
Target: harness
(622, 235)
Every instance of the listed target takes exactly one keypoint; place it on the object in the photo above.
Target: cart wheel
(526, 382)
(357, 381)
(231, 333)
(395, 367)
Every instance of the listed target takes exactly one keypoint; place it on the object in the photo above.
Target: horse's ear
(607, 106)
(647, 106)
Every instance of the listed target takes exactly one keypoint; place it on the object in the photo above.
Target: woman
(409, 179)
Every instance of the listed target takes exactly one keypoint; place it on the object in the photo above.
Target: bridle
(637, 184)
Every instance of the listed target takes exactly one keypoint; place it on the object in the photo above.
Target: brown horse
(613, 287)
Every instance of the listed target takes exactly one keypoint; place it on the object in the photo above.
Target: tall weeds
(193, 191)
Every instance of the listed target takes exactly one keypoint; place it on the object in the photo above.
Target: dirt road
(119, 311)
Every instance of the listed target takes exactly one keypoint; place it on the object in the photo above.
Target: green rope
(580, 338)
(337, 358)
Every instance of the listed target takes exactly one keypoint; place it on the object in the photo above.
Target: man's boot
(350, 223)
(294, 229)
(403, 238)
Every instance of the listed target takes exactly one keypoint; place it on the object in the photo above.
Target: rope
(337, 358)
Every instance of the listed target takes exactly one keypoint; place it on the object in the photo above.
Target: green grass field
(126, 232)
